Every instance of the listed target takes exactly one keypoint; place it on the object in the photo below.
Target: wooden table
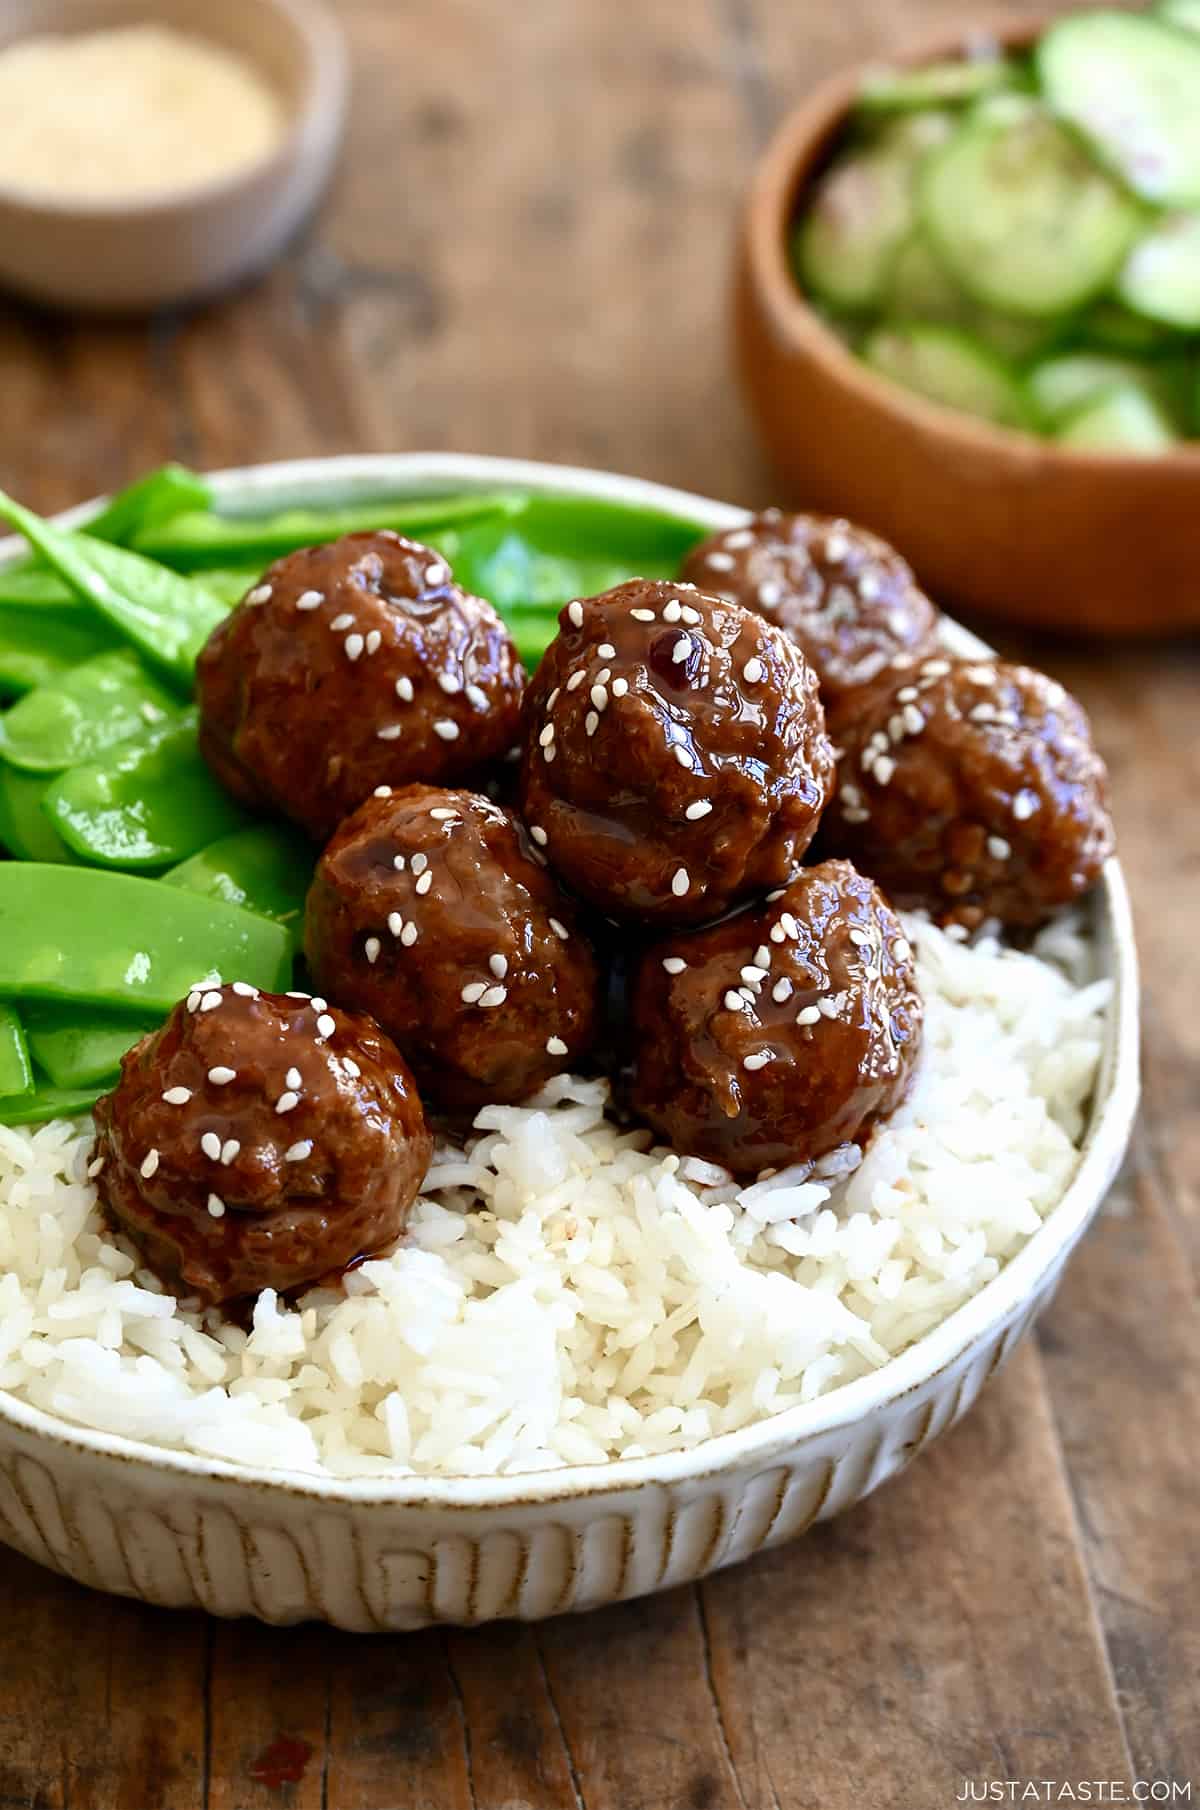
(526, 253)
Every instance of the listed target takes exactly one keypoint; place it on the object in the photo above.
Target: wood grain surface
(526, 253)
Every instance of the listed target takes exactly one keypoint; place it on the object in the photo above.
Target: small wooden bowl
(181, 244)
(991, 519)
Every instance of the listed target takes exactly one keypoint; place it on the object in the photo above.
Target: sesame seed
(354, 645)
(342, 622)
(808, 1015)
(539, 835)
(829, 1006)
(620, 687)
(449, 683)
(559, 929)
(758, 1060)
(591, 722)
(733, 1001)
(781, 990)
(575, 614)
(607, 651)
(674, 964)
(244, 990)
(230, 1149)
(446, 729)
(216, 1206)
(95, 1167)
(260, 594)
(317, 1003)
(193, 1002)
(408, 935)
(498, 965)
(473, 992)
(424, 883)
(599, 697)
(149, 1164)
(741, 537)
(884, 768)
(776, 934)
(310, 600)
(699, 809)
(371, 949)
(869, 587)
(495, 996)
(914, 722)
(420, 862)
(907, 694)
(681, 649)
(389, 733)
(680, 882)
(287, 1102)
(720, 562)
(293, 1078)
(546, 736)
(684, 756)
(374, 641)
(691, 616)
(293, 995)
(477, 696)
(382, 792)
(673, 610)
(296, 1153)
(444, 814)
(836, 548)
(770, 594)
(555, 1046)
(642, 615)
(210, 1002)
(576, 680)
(901, 949)
(1024, 805)
(754, 671)
(221, 1077)
(935, 669)
(325, 1025)
(404, 690)
(753, 975)
(210, 1144)
(998, 848)
(436, 572)
(177, 1096)
(762, 956)
(789, 926)
(395, 923)
(859, 938)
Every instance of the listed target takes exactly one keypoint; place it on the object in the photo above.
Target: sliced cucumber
(951, 84)
(1161, 276)
(1007, 107)
(1060, 387)
(1112, 327)
(1131, 84)
(860, 213)
(948, 366)
(1184, 13)
(1023, 218)
(1122, 420)
(920, 288)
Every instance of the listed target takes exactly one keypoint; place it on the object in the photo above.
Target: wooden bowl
(179, 245)
(991, 519)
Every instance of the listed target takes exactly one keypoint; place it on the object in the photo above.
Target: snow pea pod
(149, 803)
(25, 829)
(168, 618)
(204, 538)
(77, 1045)
(86, 711)
(45, 1103)
(16, 1074)
(148, 503)
(265, 868)
(102, 938)
(37, 646)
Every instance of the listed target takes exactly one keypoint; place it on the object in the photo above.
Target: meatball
(782, 1033)
(260, 1140)
(432, 911)
(675, 755)
(353, 665)
(971, 788)
(844, 595)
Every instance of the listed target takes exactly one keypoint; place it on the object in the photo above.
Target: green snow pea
(148, 803)
(16, 1074)
(205, 538)
(265, 868)
(166, 617)
(77, 1045)
(25, 829)
(46, 1103)
(81, 933)
(37, 646)
(86, 711)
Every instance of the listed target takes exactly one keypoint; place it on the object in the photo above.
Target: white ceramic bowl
(191, 1532)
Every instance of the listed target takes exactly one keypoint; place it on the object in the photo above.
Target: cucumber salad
(1018, 235)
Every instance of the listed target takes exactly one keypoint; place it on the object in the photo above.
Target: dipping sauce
(119, 115)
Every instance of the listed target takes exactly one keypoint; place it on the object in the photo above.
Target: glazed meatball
(971, 788)
(842, 594)
(431, 910)
(353, 665)
(260, 1140)
(675, 755)
(778, 1035)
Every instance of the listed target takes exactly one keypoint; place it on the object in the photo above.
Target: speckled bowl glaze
(371, 1555)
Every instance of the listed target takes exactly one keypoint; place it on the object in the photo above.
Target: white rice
(569, 1294)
